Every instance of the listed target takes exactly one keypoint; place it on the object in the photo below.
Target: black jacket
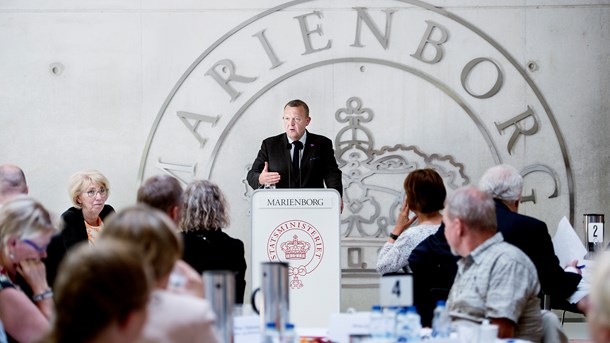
(215, 250)
(532, 237)
(318, 163)
(74, 231)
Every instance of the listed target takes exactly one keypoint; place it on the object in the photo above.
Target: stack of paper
(567, 244)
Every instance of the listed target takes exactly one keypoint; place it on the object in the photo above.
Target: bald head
(12, 182)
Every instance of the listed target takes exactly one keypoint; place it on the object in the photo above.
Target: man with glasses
(296, 158)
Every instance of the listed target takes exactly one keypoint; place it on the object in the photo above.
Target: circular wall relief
(397, 85)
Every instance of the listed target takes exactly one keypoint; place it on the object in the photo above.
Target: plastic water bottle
(402, 327)
(413, 322)
(441, 322)
(376, 324)
(389, 323)
(289, 335)
(271, 334)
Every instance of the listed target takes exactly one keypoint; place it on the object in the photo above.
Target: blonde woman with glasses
(84, 221)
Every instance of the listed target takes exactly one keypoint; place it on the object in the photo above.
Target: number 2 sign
(596, 232)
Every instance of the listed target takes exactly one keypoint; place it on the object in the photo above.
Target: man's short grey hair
(473, 207)
(502, 182)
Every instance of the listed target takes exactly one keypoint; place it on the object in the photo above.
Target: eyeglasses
(41, 250)
(91, 193)
(296, 119)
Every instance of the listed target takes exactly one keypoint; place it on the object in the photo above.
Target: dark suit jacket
(215, 250)
(318, 164)
(434, 268)
(532, 237)
(432, 256)
(74, 231)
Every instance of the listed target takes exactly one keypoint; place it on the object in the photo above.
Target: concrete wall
(83, 85)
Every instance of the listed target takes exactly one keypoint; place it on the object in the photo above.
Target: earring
(11, 256)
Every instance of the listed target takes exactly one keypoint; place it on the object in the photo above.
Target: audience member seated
(12, 182)
(432, 260)
(434, 268)
(424, 196)
(599, 316)
(101, 293)
(164, 193)
(505, 184)
(171, 317)
(206, 246)
(83, 222)
(25, 232)
(495, 280)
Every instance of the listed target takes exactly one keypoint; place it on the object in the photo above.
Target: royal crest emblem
(298, 243)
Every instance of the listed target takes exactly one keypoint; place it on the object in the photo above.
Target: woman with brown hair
(425, 195)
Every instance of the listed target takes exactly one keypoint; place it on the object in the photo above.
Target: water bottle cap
(440, 303)
(376, 308)
(289, 326)
(411, 309)
(270, 325)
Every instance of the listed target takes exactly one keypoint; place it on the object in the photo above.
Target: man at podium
(296, 158)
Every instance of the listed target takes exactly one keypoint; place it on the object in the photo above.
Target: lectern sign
(300, 227)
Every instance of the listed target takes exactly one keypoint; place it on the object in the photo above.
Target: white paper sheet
(567, 244)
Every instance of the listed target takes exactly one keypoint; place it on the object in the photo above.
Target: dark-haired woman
(425, 196)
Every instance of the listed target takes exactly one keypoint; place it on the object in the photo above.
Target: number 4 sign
(396, 290)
